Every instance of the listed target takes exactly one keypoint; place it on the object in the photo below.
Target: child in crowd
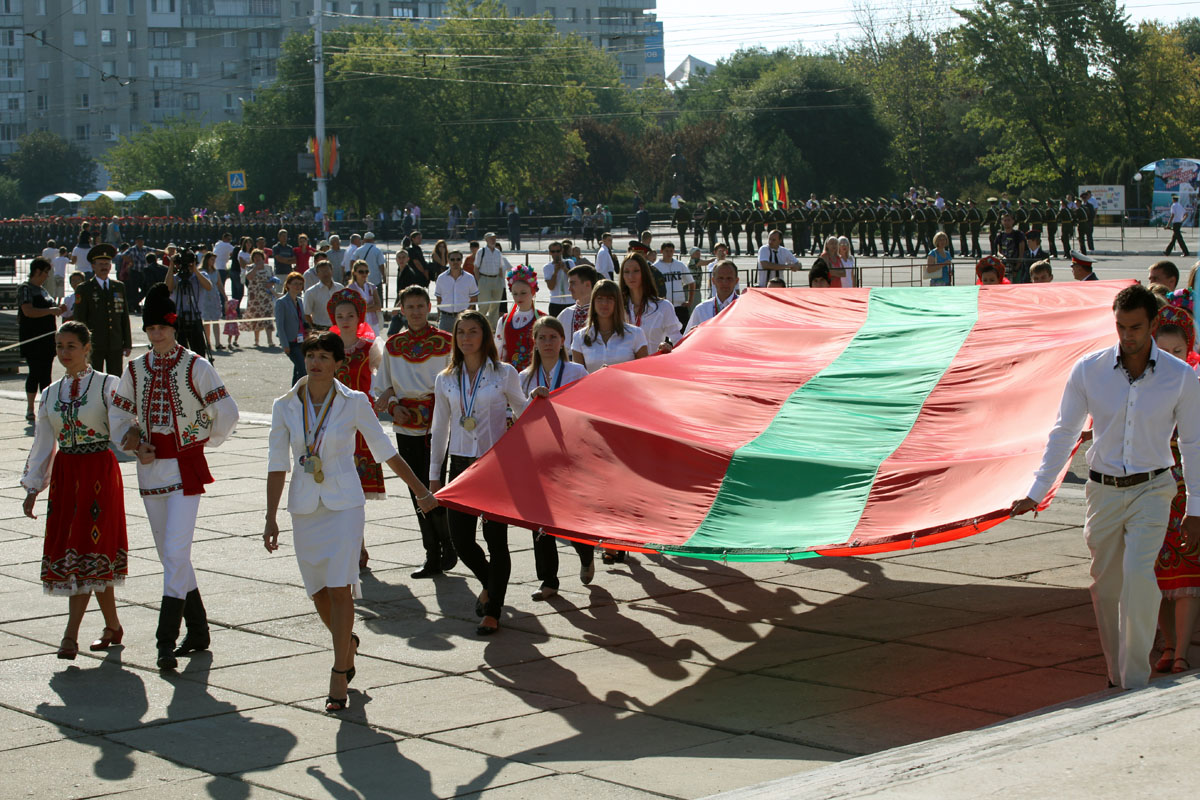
(231, 327)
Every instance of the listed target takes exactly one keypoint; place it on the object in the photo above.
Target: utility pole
(322, 197)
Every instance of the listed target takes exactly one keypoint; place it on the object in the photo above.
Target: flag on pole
(783, 191)
(866, 420)
(756, 192)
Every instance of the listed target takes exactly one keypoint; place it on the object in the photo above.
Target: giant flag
(803, 422)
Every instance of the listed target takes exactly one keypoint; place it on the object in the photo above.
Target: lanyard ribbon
(468, 406)
(544, 379)
(311, 446)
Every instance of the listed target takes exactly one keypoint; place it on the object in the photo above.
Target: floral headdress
(522, 273)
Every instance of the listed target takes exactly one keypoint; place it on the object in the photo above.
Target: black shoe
(427, 572)
(170, 617)
(448, 563)
(167, 661)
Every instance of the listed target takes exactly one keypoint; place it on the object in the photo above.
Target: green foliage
(45, 163)
(11, 202)
(182, 158)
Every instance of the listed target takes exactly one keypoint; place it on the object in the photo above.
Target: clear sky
(712, 29)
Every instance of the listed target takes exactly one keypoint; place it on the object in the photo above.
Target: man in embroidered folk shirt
(411, 361)
(169, 406)
(580, 281)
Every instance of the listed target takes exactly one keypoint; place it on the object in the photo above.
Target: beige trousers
(491, 292)
(1125, 529)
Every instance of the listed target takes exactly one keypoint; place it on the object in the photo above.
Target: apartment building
(92, 70)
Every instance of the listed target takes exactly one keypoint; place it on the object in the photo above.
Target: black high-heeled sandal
(333, 704)
(350, 673)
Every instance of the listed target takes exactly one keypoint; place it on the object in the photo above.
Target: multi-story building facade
(92, 70)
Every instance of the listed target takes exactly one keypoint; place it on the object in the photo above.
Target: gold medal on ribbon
(468, 423)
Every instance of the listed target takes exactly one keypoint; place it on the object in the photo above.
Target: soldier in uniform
(860, 221)
(101, 304)
(725, 215)
(698, 225)
(822, 226)
(1089, 213)
(948, 223)
(992, 218)
(1066, 224)
(1050, 218)
(735, 228)
(975, 222)
(1080, 217)
(757, 220)
(680, 219)
(872, 219)
(712, 223)
(843, 218)
(1036, 218)
(779, 218)
(960, 219)
(1021, 216)
(801, 232)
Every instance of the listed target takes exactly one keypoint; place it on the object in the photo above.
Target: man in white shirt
(316, 297)
(676, 199)
(680, 283)
(223, 250)
(606, 262)
(773, 259)
(555, 276)
(1137, 395)
(490, 268)
(456, 292)
(724, 281)
(376, 263)
(337, 255)
(1177, 214)
(352, 250)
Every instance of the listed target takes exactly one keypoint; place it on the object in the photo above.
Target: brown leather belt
(1125, 481)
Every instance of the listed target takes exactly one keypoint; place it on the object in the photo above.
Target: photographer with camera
(186, 283)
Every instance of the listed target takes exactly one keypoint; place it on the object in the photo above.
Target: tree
(11, 203)
(1049, 73)
(180, 157)
(45, 163)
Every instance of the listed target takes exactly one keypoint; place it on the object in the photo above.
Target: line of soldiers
(903, 227)
(29, 236)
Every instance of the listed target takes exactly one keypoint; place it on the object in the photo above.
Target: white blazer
(350, 413)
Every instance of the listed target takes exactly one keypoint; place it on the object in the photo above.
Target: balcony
(166, 53)
(264, 52)
(12, 53)
(192, 21)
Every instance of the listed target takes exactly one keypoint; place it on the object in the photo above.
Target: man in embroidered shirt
(580, 281)
(411, 361)
(1137, 395)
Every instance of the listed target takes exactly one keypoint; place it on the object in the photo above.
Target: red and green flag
(783, 191)
(803, 422)
(756, 193)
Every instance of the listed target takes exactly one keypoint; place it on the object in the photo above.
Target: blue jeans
(297, 357)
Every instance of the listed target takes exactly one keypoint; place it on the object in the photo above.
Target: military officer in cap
(1021, 216)
(975, 222)
(735, 227)
(712, 223)
(1066, 223)
(992, 218)
(681, 219)
(949, 225)
(726, 215)
(102, 305)
(801, 230)
(758, 221)
(1050, 220)
(1081, 266)
(895, 225)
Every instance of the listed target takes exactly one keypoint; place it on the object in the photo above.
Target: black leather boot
(197, 638)
(170, 615)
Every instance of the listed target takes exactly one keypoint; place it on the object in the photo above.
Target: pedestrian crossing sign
(237, 180)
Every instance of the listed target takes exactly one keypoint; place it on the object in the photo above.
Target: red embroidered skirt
(369, 473)
(1178, 567)
(86, 546)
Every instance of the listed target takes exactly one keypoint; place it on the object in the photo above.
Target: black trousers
(190, 334)
(492, 574)
(558, 308)
(435, 530)
(39, 355)
(1068, 232)
(1176, 236)
(682, 229)
(108, 360)
(545, 557)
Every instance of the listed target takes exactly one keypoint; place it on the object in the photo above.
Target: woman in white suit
(314, 426)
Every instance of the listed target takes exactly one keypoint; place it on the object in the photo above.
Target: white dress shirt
(499, 389)
(490, 262)
(1178, 212)
(316, 302)
(707, 310)
(605, 264)
(556, 377)
(455, 294)
(1132, 422)
(768, 255)
(658, 321)
(617, 350)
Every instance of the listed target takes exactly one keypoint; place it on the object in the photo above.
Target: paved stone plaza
(665, 677)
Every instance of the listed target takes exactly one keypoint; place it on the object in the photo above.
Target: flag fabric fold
(802, 422)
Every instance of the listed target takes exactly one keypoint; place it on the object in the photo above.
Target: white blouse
(658, 321)
(499, 389)
(556, 377)
(74, 423)
(617, 350)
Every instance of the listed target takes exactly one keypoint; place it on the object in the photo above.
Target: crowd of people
(449, 385)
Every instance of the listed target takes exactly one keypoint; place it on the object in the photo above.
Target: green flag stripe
(804, 481)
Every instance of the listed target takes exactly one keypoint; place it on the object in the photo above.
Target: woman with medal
(86, 548)
(471, 397)
(549, 371)
(643, 307)
(363, 354)
(315, 426)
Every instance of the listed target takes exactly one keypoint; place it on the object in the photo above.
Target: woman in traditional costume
(86, 549)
